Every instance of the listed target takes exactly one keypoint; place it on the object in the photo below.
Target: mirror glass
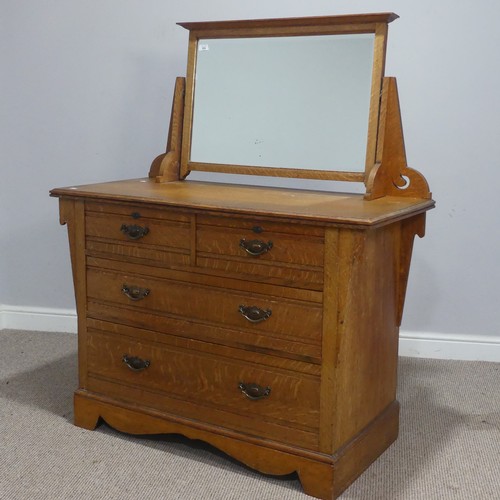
(298, 102)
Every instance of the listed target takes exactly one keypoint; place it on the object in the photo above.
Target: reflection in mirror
(288, 102)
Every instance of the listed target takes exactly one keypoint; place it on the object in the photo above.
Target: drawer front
(290, 319)
(298, 250)
(138, 253)
(275, 395)
(262, 271)
(287, 254)
(162, 327)
(135, 211)
(142, 231)
(261, 226)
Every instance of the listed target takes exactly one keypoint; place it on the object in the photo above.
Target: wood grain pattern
(322, 476)
(264, 455)
(159, 329)
(335, 280)
(262, 225)
(294, 173)
(378, 69)
(300, 250)
(193, 276)
(165, 167)
(165, 234)
(314, 22)
(329, 340)
(275, 344)
(391, 175)
(262, 271)
(273, 204)
(208, 304)
(187, 125)
(187, 330)
(409, 229)
(139, 254)
(72, 213)
(212, 380)
(135, 212)
(367, 329)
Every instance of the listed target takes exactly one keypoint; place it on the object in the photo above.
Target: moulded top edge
(385, 17)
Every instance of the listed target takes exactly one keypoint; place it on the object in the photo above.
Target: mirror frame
(328, 25)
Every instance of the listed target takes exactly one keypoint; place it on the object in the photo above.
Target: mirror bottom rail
(321, 475)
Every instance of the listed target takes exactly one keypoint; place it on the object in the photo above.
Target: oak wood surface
(260, 453)
(378, 70)
(274, 204)
(385, 17)
(336, 345)
(259, 225)
(323, 476)
(367, 332)
(166, 167)
(139, 254)
(72, 214)
(203, 337)
(290, 318)
(334, 280)
(262, 271)
(275, 343)
(191, 276)
(213, 379)
(167, 234)
(300, 250)
(391, 174)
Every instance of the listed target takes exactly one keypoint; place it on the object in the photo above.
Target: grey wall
(85, 96)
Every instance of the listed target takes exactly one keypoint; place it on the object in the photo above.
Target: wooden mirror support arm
(165, 167)
(391, 175)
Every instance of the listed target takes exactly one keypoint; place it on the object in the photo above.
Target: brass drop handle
(255, 247)
(135, 292)
(254, 391)
(254, 314)
(133, 231)
(136, 364)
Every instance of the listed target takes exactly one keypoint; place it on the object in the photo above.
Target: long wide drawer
(269, 397)
(283, 318)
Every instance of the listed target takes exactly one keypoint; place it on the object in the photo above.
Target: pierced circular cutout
(405, 182)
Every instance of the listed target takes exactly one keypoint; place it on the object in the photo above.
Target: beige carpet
(449, 445)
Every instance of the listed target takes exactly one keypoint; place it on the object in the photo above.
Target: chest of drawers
(263, 328)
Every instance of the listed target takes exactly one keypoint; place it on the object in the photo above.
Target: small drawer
(220, 382)
(274, 247)
(138, 231)
(278, 317)
(135, 211)
(285, 254)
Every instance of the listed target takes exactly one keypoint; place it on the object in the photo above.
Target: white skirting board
(412, 344)
(38, 318)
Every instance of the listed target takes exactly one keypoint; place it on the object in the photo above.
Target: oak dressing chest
(261, 320)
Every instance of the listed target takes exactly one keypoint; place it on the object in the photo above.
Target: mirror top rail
(292, 22)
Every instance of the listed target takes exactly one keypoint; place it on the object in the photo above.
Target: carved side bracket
(165, 167)
(391, 175)
(415, 226)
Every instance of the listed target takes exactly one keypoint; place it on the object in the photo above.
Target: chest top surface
(314, 206)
